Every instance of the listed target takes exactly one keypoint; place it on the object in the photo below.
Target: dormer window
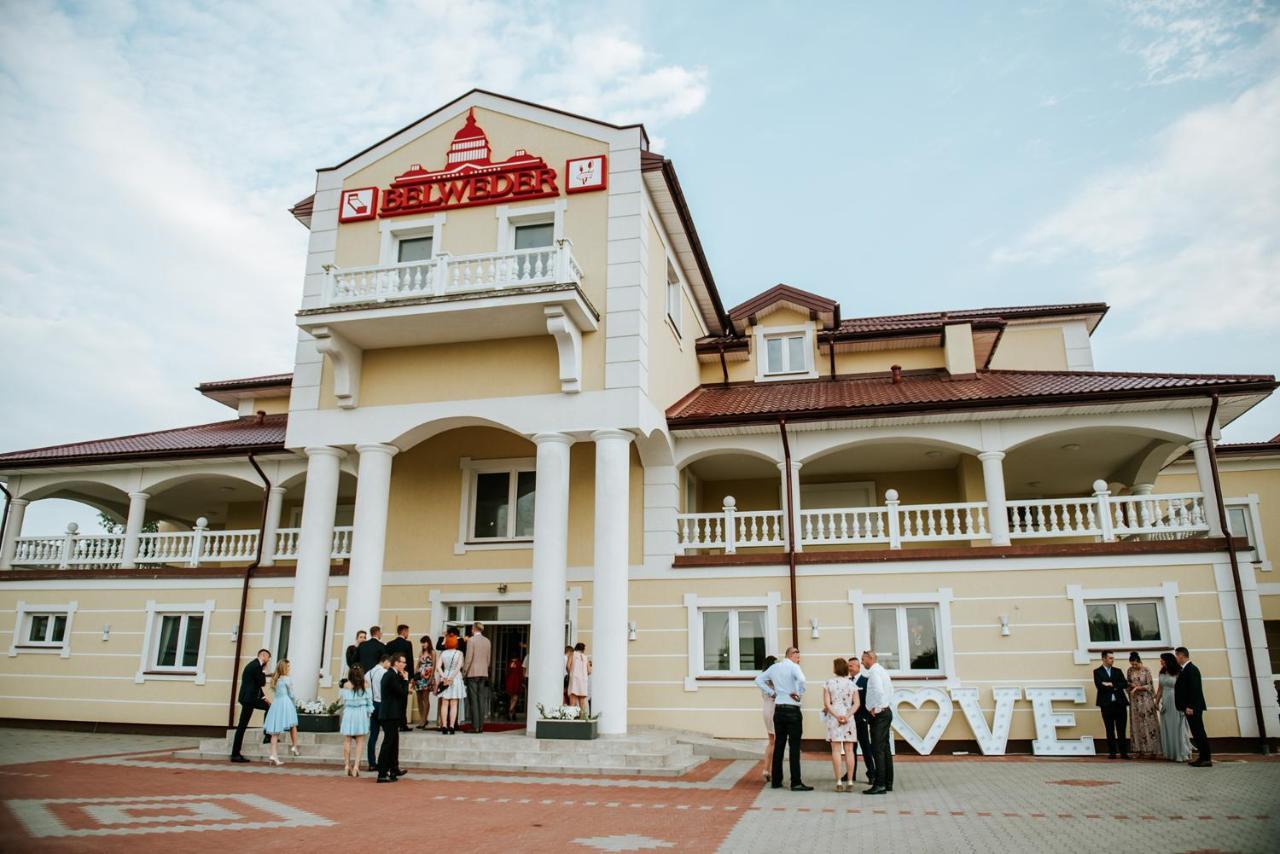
(784, 352)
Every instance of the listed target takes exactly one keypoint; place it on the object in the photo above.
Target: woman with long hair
(1174, 742)
(449, 685)
(283, 714)
(768, 662)
(424, 681)
(1144, 722)
(357, 706)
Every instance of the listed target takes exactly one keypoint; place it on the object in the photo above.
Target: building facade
(506, 307)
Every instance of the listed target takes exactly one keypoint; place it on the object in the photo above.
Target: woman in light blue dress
(283, 714)
(357, 706)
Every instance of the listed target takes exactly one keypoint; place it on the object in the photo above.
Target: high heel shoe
(274, 760)
(293, 750)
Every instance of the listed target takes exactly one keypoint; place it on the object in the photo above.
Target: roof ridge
(1133, 374)
(235, 420)
(992, 311)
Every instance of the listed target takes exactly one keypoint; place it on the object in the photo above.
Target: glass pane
(922, 639)
(491, 505)
(167, 647)
(795, 354)
(59, 629)
(884, 636)
(1144, 621)
(525, 481)
(39, 626)
(1103, 625)
(1238, 523)
(750, 640)
(534, 236)
(715, 640)
(191, 644)
(673, 302)
(415, 249)
(486, 613)
(282, 641)
(774, 348)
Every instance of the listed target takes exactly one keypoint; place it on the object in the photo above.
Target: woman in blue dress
(357, 706)
(283, 714)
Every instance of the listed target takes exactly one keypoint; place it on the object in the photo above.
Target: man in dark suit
(369, 652)
(395, 699)
(861, 718)
(1113, 701)
(1188, 698)
(250, 697)
(401, 645)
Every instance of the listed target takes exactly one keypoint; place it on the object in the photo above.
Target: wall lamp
(631, 630)
(813, 627)
(1004, 625)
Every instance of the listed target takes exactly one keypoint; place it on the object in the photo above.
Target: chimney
(958, 349)
(896, 370)
(261, 416)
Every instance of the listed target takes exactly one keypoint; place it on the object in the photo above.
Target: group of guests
(1159, 712)
(856, 708)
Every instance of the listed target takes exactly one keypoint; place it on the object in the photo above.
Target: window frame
(272, 611)
(695, 606)
(904, 642)
(735, 638)
(674, 294)
(471, 469)
(394, 230)
(940, 600)
(1253, 515)
(23, 614)
(148, 669)
(1126, 641)
(765, 334)
(1165, 598)
(510, 216)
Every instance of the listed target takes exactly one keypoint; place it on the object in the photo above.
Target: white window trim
(674, 323)
(1166, 595)
(695, 605)
(466, 511)
(1253, 504)
(509, 216)
(24, 610)
(394, 230)
(271, 609)
(155, 610)
(942, 598)
(762, 333)
(440, 602)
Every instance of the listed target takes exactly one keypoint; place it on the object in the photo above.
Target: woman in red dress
(514, 685)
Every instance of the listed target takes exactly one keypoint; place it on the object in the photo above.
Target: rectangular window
(905, 637)
(415, 249)
(785, 354)
(536, 236)
(733, 641)
(1240, 524)
(502, 505)
(675, 295)
(1125, 623)
(178, 642)
(46, 629)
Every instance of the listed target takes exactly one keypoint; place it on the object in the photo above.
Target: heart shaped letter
(917, 697)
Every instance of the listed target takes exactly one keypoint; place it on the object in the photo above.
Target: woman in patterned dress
(424, 681)
(357, 706)
(282, 716)
(839, 703)
(1144, 721)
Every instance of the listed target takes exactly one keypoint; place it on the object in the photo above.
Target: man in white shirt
(374, 680)
(784, 681)
(879, 706)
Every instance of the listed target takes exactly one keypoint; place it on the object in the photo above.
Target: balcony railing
(184, 548)
(1100, 517)
(444, 275)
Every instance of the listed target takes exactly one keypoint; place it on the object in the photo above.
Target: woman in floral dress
(424, 681)
(839, 703)
(1144, 721)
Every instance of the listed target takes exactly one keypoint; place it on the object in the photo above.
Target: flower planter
(317, 723)
(568, 730)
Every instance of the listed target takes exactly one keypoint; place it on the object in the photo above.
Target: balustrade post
(892, 520)
(730, 525)
(1105, 520)
(562, 262)
(68, 546)
(197, 541)
(440, 276)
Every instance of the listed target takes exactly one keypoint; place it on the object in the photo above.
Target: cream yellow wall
(914, 487)
(873, 361)
(271, 405)
(1031, 348)
(673, 364)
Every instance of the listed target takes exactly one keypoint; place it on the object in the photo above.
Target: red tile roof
(219, 438)
(932, 319)
(264, 381)
(876, 394)
(1270, 446)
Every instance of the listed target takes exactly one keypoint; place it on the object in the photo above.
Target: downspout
(791, 533)
(831, 350)
(244, 591)
(1235, 577)
(724, 365)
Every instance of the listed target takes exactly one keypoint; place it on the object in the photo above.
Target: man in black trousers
(395, 698)
(370, 651)
(401, 645)
(251, 697)
(862, 719)
(1188, 698)
(1113, 702)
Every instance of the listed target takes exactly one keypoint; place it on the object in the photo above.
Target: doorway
(506, 625)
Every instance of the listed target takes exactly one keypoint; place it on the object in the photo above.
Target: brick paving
(80, 797)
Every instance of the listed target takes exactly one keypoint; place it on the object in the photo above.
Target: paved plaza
(73, 792)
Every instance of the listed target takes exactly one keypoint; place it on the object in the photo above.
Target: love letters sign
(992, 738)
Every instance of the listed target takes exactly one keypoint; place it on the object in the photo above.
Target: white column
(369, 539)
(1204, 472)
(17, 509)
(1141, 489)
(133, 529)
(275, 499)
(794, 500)
(550, 552)
(993, 483)
(610, 580)
(311, 580)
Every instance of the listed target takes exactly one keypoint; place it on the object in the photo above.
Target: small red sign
(586, 173)
(359, 204)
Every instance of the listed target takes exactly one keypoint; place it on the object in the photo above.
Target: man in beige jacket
(475, 669)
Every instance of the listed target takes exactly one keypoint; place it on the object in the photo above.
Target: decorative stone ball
(72, 527)
(1099, 486)
(891, 495)
(730, 501)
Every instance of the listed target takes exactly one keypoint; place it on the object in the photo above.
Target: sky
(895, 157)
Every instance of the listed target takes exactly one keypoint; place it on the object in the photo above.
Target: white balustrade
(757, 528)
(287, 543)
(445, 274)
(1159, 516)
(921, 523)
(1053, 517)
(846, 525)
(38, 551)
(342, 541)
(700, 530)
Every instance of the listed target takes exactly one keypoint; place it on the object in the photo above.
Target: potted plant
(565, 722)
(318, 716)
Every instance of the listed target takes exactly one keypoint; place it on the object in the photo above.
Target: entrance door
(506, 625)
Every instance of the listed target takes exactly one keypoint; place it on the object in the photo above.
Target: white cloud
(152, 151)
(1195, 39)
(1189, 239)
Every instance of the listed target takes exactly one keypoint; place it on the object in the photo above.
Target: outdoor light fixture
(235, 633)
(106, 631)
(813, 627)
(1071, 447)
(631, 630)
(1004, 625)
(502, 588)
(933, 455)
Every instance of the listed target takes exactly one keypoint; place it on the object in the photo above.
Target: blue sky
(938, 156)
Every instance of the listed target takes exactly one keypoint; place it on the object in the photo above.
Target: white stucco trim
(441, 600)
(392, 231)
(1166, 595)
(941, 598)
(154, 611)
(695, 604)
(466, 508)
(509, 216)
(762, 332)
(23, 610)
